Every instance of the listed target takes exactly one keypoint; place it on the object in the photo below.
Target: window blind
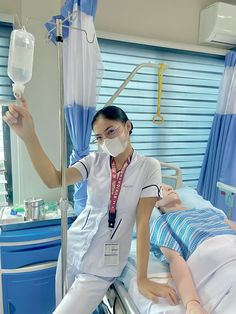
(189, 96)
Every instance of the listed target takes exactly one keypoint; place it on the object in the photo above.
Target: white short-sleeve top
(89, 232)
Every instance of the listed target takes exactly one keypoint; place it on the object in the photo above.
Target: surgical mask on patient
(114, 146)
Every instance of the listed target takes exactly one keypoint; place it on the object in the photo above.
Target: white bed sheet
(214, 280)
(158, 272)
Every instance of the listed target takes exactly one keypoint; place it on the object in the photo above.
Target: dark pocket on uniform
(86, 220)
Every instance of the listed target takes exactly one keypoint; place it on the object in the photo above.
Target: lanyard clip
(111, 219)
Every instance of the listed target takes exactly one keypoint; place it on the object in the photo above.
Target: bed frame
(117, 299)
(171, 174)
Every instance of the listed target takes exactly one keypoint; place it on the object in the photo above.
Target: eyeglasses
(108, 133)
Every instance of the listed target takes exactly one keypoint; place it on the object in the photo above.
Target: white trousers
(85, 292)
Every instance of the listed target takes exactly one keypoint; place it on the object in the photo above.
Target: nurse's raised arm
(19, 119)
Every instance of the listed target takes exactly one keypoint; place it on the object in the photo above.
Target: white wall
(169, 20)
(10, 7)
(42, 95)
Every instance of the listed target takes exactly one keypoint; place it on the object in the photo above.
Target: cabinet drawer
(29, 292)
(25, 255)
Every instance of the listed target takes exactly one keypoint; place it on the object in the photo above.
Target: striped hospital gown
(184, 230)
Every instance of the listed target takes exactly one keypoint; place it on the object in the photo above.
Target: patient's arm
(182, 276)
(231, 224)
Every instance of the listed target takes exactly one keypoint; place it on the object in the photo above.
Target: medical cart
(28, 258)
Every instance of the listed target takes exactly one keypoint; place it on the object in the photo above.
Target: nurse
(122, 186)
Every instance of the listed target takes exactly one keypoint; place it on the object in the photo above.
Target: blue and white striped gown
(184, 230)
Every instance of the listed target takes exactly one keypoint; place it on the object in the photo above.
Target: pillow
(191, 199)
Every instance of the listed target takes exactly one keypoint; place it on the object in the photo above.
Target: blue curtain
(82, 75)
(220, 159)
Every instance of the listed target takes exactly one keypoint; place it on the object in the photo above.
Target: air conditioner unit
(218, 25)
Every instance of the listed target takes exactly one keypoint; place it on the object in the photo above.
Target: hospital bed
(118, 300)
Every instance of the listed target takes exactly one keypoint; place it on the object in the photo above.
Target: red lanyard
(115, 189)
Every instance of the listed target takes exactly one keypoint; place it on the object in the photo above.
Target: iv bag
(20, 59)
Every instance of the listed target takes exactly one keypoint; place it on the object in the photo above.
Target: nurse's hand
(20, 120)
(153, 290)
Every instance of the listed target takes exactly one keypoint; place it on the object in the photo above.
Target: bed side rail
(118, 291)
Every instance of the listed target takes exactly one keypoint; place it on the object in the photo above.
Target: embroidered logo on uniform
(127, 186)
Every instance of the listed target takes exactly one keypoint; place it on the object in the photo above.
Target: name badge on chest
(111, 254)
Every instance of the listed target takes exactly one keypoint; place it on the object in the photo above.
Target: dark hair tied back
(111, 113)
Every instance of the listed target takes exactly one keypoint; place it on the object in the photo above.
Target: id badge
(111, 254)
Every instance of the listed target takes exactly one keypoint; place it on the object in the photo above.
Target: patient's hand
(195, 308)
(153, 290)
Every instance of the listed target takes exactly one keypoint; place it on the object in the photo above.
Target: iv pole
(64, 204)
(63, 200)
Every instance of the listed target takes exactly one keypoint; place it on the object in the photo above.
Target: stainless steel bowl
(34, 208)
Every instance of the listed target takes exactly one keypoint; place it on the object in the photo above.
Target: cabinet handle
(9, 307)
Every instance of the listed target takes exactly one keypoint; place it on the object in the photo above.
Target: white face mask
(114, 146)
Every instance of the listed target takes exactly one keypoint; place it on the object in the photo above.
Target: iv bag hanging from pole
(20, 60)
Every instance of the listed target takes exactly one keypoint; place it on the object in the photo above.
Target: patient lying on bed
(200, 247)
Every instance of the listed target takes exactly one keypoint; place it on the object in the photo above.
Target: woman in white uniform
(122, 185)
